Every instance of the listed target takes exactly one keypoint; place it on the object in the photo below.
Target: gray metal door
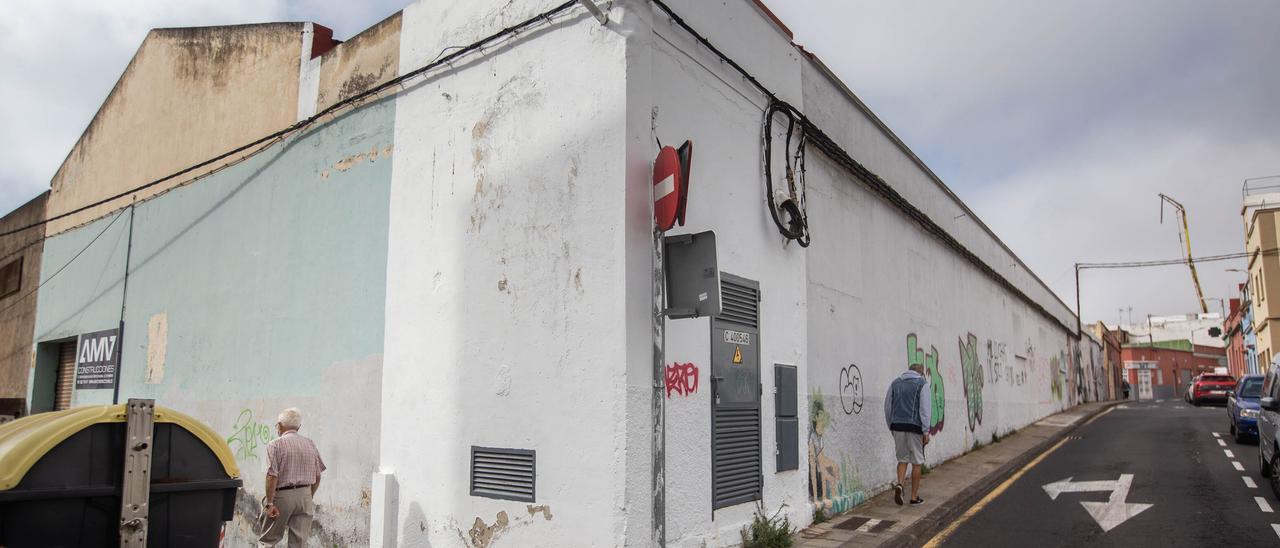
(735, 395)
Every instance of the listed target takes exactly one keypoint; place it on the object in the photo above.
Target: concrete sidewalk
(948, 489)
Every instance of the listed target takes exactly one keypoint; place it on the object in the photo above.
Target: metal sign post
(135, 490)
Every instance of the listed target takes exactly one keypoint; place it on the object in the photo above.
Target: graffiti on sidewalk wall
(1000, 369)
(834, 485)
(851, 389)
(937, 388)
(971, 375)
(1078, 365)
(248, 434)
(1057, 372)
(682, 378)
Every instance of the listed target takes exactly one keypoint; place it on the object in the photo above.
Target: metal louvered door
(736, 470)
(66, 376)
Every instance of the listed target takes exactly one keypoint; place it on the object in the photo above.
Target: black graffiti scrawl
(851, 389)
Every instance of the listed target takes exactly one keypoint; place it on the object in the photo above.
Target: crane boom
(1186, 239)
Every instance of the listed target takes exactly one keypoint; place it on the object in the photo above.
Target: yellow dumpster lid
(23, 442)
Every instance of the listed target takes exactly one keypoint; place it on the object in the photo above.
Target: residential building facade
(20, 260)
(1259, 210)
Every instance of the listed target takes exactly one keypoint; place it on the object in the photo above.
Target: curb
(926, 527)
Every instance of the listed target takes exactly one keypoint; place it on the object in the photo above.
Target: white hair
(290, 419)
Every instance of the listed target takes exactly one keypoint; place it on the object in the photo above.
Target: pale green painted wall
(272, 275)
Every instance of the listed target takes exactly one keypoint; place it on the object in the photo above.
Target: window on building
(11, 278)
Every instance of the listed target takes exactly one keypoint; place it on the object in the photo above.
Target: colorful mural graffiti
(834, 485)
(971, 375)
(937, 388)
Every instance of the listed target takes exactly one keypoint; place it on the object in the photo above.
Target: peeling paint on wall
(483, 535)
(157, 343)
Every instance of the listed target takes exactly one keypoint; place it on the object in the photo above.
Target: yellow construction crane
(1185, 237)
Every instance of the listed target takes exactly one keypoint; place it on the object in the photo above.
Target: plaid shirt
(293, 460)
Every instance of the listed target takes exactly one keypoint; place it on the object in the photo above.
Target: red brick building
(1171, 366)
(1234, 335)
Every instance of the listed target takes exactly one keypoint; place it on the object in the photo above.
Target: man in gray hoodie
(906, 412)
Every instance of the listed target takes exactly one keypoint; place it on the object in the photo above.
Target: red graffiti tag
(683, 378)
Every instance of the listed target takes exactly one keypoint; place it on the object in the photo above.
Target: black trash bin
(60, 479)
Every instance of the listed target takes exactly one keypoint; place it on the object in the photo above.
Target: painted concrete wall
(505, 287)
(845, 310)
(367, 59)
(186, 96)
(696, 97)
(18, 311)
(255, 289)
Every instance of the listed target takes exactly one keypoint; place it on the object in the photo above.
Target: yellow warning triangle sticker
(737, 354)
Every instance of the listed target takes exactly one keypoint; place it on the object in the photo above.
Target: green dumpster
(62, 479)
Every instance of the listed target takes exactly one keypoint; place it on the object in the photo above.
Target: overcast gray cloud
(1058, 122)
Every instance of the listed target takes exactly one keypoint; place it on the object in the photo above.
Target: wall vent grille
(740, 303)
(506, 474)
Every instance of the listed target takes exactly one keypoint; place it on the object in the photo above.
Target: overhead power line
(1168, 262)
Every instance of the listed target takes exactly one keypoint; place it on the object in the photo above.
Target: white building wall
(505, 284)
(519, 282)
(694, 96)
(871, 278)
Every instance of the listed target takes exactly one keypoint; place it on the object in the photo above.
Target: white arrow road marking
(1248, 482)
(1237, 465)
(1230, 455)
(1263, 504)
(1108, 514)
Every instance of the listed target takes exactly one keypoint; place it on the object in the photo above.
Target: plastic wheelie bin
(65, 475)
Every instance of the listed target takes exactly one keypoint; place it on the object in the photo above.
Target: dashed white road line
(1222, 443)
(1276, 528)
(1236, 464)
(1263, 504)
(1215, 434)
(1248, 482)
(1230, 455)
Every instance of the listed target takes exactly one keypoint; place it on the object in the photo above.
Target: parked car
(1243, 408)
(1210, 388)
(1269, 428)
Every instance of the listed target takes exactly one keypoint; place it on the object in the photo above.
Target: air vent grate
(740, 303)
(506, 474)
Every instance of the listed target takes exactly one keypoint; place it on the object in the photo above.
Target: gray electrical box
(693, 279)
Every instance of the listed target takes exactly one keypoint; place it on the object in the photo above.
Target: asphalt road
(1178, 466)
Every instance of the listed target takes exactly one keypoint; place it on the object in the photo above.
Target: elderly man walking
(906, 412)
(293, 476)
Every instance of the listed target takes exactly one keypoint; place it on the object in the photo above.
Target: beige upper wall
(187, 96)
(367, 59)
(18, 311)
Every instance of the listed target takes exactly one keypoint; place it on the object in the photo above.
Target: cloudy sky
(1057, 122)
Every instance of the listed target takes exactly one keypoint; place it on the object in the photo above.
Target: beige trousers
(296, 509)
